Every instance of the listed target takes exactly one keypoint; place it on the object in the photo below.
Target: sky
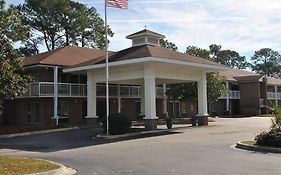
(241, 25)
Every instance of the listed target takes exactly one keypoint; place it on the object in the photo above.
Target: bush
(271, 138)
(118, 123)
(276, 121)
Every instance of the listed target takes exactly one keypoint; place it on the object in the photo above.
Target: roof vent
(145, 37)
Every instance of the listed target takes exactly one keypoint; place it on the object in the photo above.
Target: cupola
(144, 37)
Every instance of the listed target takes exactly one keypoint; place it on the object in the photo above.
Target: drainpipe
(227, 98)
(119, 99)
(276, 95)
(56, 95)
(165, 112)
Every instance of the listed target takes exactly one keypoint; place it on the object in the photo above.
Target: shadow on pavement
(66, 140)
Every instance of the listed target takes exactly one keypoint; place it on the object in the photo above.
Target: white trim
(92, 117)
(148, 59)
(150, 118)
(55, 94)
(38, 65)
(132, 36)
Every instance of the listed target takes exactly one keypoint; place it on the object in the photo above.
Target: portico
(146, 64)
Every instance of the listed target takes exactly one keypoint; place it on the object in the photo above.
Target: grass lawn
(20, 166)
(249, 142)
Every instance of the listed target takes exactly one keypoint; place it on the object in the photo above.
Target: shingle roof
(246, 76)
(66, 56)
(273, 81)
(143, 32)
(149, 51)
(233, 74)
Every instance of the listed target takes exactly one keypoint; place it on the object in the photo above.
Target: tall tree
(215, 87)
(182, 91)
(188, 91)
(215, 53)
(167, 44)
(13, 82)
(267, 62)
(64, 22)
(232, 59)
(31, 47)
(198, 52)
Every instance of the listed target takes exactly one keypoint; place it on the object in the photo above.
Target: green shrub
(276, 120)
(271, 138)
(118, 123)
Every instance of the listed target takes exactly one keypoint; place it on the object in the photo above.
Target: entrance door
(32, 113)
(173, 109)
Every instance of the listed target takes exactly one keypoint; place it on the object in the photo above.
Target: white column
(150, 97)
(56, 95)
(91, 96)
(276, 95)
(119, 99)
(227, 97)
(165, 112)
(202, 95)
(142, 99)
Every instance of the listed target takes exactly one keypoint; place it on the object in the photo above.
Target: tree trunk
(82, 41)
(46, 41)
(1, 113)
(66, 38)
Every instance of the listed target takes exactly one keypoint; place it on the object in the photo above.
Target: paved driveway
(196, 151)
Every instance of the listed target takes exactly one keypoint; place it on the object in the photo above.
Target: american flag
(123, 4)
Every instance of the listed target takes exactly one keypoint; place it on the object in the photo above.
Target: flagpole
(107, 72)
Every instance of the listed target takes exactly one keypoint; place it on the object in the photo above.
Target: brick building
(65, 72)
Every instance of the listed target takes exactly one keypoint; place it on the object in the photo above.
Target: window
(124, 90)
(152, 41)
(32, 113)
(62, 109)
(101, 90)
(138, 41)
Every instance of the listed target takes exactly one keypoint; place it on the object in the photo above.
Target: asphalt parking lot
(189, 151)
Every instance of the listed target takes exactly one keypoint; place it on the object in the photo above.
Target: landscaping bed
(20, 166)
(12, 129)
(267, 141)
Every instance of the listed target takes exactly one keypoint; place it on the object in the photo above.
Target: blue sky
(241, 25)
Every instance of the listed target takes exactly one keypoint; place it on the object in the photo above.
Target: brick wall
(16, 110)
(250, 98)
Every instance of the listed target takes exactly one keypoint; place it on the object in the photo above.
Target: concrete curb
(143, 133)
(9, 136)
(63, 170)
(258, 148)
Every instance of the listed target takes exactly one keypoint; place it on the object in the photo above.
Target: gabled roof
(273, 81)
(246, 76)
(143, 51)
(235, 74)
(250, 78)
(66, 56)
(145, 32)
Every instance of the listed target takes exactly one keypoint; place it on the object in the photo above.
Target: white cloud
(244, 26)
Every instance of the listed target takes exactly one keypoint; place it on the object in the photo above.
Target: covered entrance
(148, 65)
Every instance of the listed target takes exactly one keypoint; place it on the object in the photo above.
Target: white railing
(125, 91)
(272, 95)
(46, 89)
(232, 95)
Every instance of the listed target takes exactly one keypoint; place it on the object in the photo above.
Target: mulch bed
(12, 129)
